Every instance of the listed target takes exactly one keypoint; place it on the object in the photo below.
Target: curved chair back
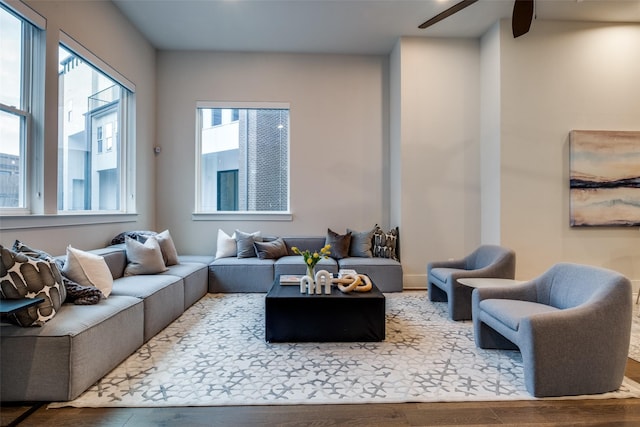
(486, 255)
(567, 285)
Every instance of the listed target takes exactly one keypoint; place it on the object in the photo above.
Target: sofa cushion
(25, 277)
(144, 258)
(240, 275)
(511, 312)
(361, 243)
(339, 244)
(244, 243)
(88, 269)
(168, 248)
(270, 250)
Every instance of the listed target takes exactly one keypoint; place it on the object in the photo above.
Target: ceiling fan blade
(522, 17)
(442, 15)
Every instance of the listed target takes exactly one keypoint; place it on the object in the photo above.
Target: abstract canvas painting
(604, 178)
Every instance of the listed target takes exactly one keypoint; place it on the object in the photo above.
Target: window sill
(17, 222)
(242, 216)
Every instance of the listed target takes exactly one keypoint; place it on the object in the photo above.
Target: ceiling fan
(520, 21)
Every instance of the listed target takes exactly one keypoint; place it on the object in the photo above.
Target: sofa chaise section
(60, 360)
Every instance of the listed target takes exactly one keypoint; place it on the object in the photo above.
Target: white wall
(99, 27)
(490, 126)
(339, 138)
(438, 144)
(562, 76)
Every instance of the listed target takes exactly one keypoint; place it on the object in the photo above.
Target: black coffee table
(294, 317)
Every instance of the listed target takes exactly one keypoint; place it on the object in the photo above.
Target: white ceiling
(336, 26)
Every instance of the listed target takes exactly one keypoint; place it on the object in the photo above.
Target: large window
(92, 144)
(243, 158)
(20, 112)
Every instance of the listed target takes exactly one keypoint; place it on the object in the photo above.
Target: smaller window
(243, 159)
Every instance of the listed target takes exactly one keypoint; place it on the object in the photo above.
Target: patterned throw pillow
(20, 247)
(339, 244)
(385, 245)
(25, 277)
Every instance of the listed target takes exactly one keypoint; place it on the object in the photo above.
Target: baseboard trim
(414, 282)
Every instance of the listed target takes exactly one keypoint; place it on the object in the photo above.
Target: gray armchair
(486, 261)
(572, 325)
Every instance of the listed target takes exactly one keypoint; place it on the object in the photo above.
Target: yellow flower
(315, 255)
(309, 261)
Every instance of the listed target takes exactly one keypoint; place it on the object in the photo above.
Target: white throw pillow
(168, 248)
(88, 269)
(226, 246)
(144, 258)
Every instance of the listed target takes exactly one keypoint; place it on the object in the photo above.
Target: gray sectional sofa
(82, 343)
(233, 274)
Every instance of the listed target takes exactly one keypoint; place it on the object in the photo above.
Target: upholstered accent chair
(485, 261)
(572, 325)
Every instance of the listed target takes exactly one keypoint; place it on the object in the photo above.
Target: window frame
(126, 122)
(30, 111)
(199, 214)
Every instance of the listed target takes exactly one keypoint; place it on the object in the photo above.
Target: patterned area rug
(215, 354)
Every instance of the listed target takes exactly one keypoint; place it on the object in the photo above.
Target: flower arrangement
(312, 258)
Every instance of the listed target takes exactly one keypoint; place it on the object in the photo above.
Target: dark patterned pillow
(20, 247)
(139, 235)
(385, 245)
(25, 277)
(339, 244)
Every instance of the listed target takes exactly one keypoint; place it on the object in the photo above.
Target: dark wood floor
(610, 412)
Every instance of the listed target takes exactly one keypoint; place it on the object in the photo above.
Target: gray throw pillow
(361, 243)
(144, 258)
(244, 243)
(339, 244)
(271, 250)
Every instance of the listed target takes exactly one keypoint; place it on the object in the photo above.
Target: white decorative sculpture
(323, 277)
(313, 285)
(307, 286)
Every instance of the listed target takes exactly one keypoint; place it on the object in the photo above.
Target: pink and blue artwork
(604, 178)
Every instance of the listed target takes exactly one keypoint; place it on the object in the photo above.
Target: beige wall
(338, 139)
(562, 76)
(436, 136)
